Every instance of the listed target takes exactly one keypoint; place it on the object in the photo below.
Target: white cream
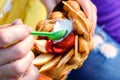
(64, 24)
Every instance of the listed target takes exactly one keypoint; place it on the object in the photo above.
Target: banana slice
(66, 58)
(40, 46)
(50, 64)
(42, 59)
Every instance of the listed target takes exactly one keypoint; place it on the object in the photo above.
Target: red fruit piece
(61, 47)
(49, 46)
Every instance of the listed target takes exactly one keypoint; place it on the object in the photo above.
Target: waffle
(56, 64)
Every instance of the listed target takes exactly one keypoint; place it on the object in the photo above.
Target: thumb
(17, 21)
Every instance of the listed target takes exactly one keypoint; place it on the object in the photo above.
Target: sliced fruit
(50, 64)
(40, 45)
(66, 58)
(42, 59)
(61, 47)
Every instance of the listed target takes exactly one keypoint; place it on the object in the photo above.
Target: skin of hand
(88, 7)
(16, 60)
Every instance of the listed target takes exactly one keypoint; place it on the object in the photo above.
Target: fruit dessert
(56, 58)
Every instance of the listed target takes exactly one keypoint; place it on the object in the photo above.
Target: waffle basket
(56, 65)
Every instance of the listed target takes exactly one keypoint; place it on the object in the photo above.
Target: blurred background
(104, 60)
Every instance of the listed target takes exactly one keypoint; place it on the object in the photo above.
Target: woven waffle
(57, 66)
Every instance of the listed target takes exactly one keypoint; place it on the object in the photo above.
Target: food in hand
(57, 57)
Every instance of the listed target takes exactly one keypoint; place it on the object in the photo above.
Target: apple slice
(50, 64)
(42, 59)
(40, 45)
(66, 58)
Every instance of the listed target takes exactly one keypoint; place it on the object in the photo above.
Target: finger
(17, 21)
(86, 8)
(16, 51)
(13, 33)
(17, 67)
(94, 15)
(4, 26)
(49, 4)
(57, 1)
(14, 78)
(31, 74)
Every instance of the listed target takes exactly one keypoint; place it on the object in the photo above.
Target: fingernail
(17, 21)
(30, 29)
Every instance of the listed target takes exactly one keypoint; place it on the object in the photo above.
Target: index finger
(13, 33)
(49, 4)
(86, 8)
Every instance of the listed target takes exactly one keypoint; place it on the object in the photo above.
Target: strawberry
(61, 47)
(49, 46)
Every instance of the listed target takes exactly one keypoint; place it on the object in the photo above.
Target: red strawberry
(49, 46)
(65, 44)
(61, 47)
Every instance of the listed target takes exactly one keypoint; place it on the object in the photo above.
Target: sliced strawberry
(66, 42)
(58, 50)
(61, 47)
(49, 46)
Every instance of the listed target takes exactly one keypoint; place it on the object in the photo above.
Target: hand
(16, 60)
(51, 5)
(88, 7)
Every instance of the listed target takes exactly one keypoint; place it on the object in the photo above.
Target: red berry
(61, 47)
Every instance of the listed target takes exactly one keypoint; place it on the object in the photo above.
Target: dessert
(55, 58)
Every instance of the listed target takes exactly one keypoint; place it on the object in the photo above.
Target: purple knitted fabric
(109, 17)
